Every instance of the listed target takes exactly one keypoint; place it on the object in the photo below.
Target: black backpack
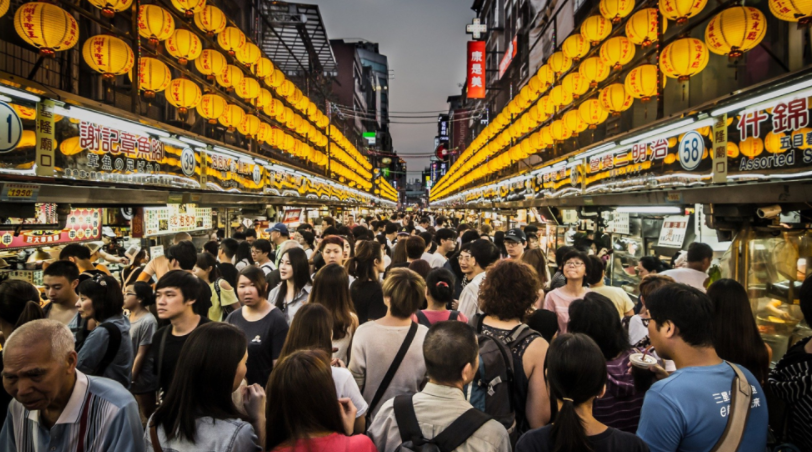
(423, 320)
(113, 345)
(449, 439)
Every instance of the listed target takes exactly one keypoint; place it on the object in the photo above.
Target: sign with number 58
(691, 150)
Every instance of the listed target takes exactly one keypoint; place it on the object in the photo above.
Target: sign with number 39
(691, 149)
(11, 128)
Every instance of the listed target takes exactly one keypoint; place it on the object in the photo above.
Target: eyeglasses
(129, 294)
(574, 264)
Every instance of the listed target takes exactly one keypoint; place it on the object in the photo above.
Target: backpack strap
(460, 430)
(741, 394)
(453, 315)
(153, 435)
(393, 368)
(113, 344)
(422, 319)
(406, 419)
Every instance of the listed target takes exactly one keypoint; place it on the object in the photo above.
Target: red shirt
(334, 443)
(440, 316)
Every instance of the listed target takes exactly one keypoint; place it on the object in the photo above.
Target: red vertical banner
(476, 69)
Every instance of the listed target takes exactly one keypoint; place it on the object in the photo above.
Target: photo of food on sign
(82, 224)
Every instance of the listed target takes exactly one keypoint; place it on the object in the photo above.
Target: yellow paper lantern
(230, 77)
(24, 112)
(684, 58)
(575, 47)
(155, 23)
(751, 147)
(189, 7)
(617, 51)
(276, 79)
(560, 131)
(153, 76)
(287, 88)
(681, 10)
(262, 68)
(273, 108)
(772, 142)
(735, 31)
(594, 70)
(231, 39)
(595, 29)
(211, 107)
(576, 84)
(547, 136)
(4, 4)
(559, 63)
(263, 99)
(232, 117)
(546, 76)
(574, 122)
(248, 88)
(184, 45)
(211, 20)
(111, 7)
(47, 27)
(616, 10)
(641, 82)
(545, 107)
(592, 113)
(250, 125)
(249, 54)
(641, 28)
(108, 55)
(560, 97)
(183, 94)
(732, 150)
(211, 63)
(615, 99)
(792, 10)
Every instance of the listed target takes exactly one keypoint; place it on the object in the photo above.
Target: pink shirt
(334, 442)
(558, 302)
(439, 316)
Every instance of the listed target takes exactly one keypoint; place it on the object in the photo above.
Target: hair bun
(441, 284)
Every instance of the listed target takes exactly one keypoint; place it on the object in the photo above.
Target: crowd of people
(386, 335)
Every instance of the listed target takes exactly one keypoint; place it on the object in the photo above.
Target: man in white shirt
(694, 274)
(427, 237)
(473, 262)
(446, 243)
(515, 243)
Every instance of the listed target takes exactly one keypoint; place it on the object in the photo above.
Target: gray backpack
(449, 439)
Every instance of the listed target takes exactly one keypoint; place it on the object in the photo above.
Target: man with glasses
(261, 253)
(515, 242)
(474, 262)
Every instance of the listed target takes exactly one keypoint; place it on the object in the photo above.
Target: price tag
(19, 192)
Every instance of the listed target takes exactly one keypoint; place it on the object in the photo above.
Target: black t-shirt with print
(265, 339)
(612, 440)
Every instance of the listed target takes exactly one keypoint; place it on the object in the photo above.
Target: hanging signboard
(83, 225)
(231, 173)
(476, 70)
(176, 218)
(507, 58)
(46, 138)
(673, 232)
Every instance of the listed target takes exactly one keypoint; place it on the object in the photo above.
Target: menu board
(176, 218)
(83, 225)
(673, 232)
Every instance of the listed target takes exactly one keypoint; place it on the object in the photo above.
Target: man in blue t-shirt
(688, 411)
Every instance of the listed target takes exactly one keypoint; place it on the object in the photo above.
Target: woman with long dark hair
(263, 324)
(243, 258)
(138, 298)
(198, 412)
(101, 299)
(304, 411)
(735, 334)
(596, 316)
(296, 285)
(576, 376)
(331, 289)
(366, 291)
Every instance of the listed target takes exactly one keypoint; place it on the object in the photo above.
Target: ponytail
(440, 283)
(567, 433)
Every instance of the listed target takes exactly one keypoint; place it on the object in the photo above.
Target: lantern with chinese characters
(189, 7)
(616, 10)
(262, 68)
(546, 76)
(617, 51)
(560, 131)
(247, 89)
(574, 122)
(594, 70)
(751, 147)
(276, 79)
(575, 47)
(153, 76)
(595, 29)
(615, 99)
(232, 117)
(231, 40)
(560, 97)
(249, 126)
(545, 108)
(111, 7)
(287, 88)
(273, 108)
(249, 54)
(592, 113)
(641, 82)
(230, 77)
(735, 31)
(211, 20)
(793, 10)
(184, 45)
(263, 99)
(108, 55)
(211, 63)
(576, 84)
(183, 94)
(47, 27)
(681, 10)
(211, 107)
(559, 63)
(155, 23)
(684, 58)
(641, 28)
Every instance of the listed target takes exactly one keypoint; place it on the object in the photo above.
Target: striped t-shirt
(620, 406)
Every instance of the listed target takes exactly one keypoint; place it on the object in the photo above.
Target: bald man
(57, 407)
(159, 265)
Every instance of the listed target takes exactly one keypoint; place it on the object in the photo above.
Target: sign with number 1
(11, 128)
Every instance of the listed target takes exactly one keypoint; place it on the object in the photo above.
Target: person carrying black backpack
(439, 419)
(439, 294)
